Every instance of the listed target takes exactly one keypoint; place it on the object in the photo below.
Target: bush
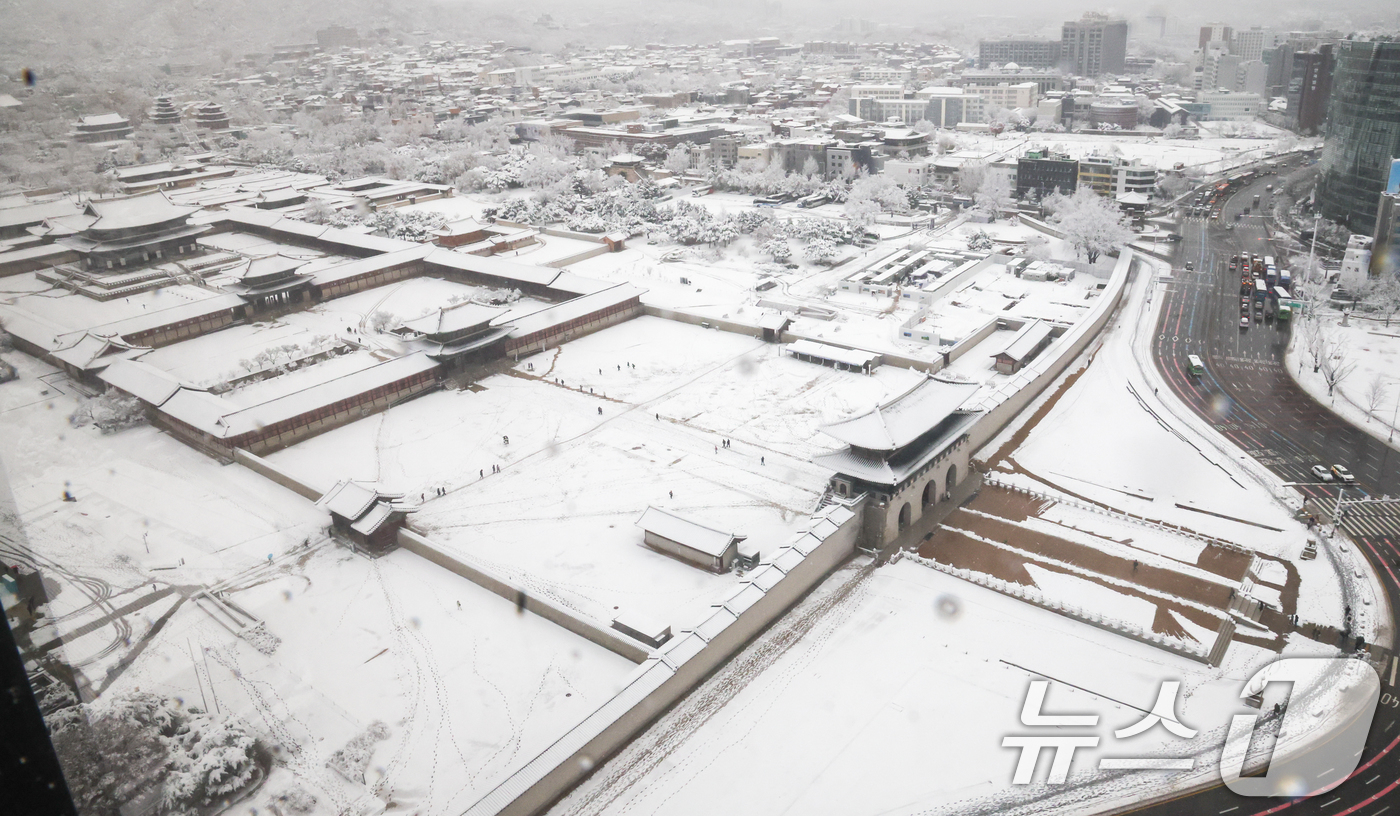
(110, 412)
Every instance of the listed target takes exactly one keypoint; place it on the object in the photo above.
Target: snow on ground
(145, 503)
(469, 694)
(559, 517)
(1374, 349)
(232, 352)
(1100, 443)
(909, 685)
(469, 688)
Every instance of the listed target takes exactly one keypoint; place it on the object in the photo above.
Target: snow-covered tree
(777, 249)
(979, 241)
(994, 195)
(971, 175)
(212, 758)
(821, 251)
(108, 756)
(678, 158)
(1091, 223)
(111, 412)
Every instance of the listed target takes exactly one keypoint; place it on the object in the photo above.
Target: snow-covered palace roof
(692, 534)
(904, 419)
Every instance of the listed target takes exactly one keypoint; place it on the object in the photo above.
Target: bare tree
(1315, 340)
(1375, 395)
(1337, 364)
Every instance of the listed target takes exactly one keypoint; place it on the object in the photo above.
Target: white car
(1342, 474)
(1322, 473)
(1244, 321)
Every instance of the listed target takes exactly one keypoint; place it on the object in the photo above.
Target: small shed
(773, 326)
(838, 357)
(362, 514)
(690, 541)
(642, 628)
(1028, 342)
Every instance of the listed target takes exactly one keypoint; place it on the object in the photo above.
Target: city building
(1310, 87)
(1228, 106)
(1006, 95)
(949, 107)
(1115, 176)
(1385, 243)
(1215, 32)
(1114, 113)
(1026, 53)
(1046, 173)
(1356, 263)
(1094, 45)
(1046, 79)
(1249, 44)
(1363, 132)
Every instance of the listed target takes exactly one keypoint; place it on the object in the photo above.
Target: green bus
(1285, 312)
(1194, 366)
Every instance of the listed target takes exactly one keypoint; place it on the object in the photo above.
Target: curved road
(1248, 397)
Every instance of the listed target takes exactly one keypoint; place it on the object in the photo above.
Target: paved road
(1247, 396)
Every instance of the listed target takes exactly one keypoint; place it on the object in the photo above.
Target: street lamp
(1394, 415)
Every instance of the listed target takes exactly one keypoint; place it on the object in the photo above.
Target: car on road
(1321, 473)
(1244, 321)
(1341, 474)
(1190, 265)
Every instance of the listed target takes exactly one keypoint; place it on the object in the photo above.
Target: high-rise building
(1363, 132)
(1046, 173)
(1249, 44)
(1025, 53)
(1094, 45)
(1310, 87)
(1215, 32)
(1280, 62)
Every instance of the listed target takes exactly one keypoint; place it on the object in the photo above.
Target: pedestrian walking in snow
(760, 461)
(600, 410)
(482, 473)
(459, 606)
(671, 493)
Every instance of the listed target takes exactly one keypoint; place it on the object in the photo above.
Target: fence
(1035, 596)
(991, 479)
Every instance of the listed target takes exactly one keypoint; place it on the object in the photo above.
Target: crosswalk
(1367, 518)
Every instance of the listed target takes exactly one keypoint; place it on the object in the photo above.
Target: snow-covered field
(909, 686)
(468, 693)
(911, 682)
(1373, 349)
(559, 516)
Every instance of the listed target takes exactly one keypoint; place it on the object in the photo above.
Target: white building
(1006, 95)
(1356, 263)
(877, 91)
(909, 173)
(1224, 106)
